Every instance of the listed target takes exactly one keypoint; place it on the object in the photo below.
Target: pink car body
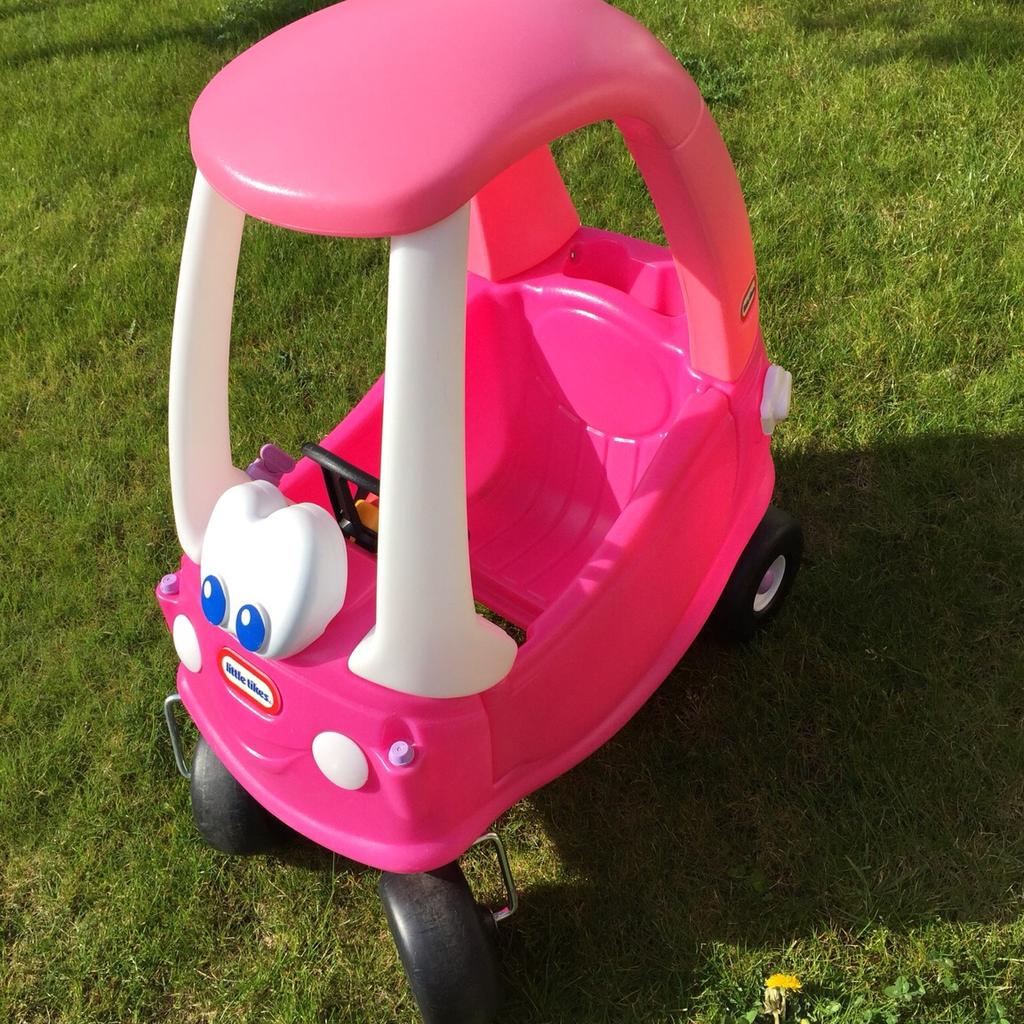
(617, 417)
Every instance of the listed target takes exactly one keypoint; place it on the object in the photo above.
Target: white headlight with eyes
(272, 573)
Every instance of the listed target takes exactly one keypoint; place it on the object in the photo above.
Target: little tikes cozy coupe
(572, 430)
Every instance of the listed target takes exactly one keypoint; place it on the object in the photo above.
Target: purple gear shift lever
(271, 465)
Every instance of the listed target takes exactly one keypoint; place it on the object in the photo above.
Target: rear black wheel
(447, 943)
(227, 817)
(762, 579)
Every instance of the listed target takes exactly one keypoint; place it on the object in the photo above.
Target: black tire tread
(734, 619)
(446, 943)
(227, 817)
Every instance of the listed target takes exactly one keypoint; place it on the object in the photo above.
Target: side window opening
(605, 184)
(610, 195)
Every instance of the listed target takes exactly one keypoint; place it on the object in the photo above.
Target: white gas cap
(778, 389)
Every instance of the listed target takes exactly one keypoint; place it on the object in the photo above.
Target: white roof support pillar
(428, 639)
(199, 441)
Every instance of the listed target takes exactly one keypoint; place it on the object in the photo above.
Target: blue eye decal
(214, 601)
(251, 626)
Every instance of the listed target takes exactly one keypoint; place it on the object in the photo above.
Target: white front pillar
(199, 442)
(428, 639)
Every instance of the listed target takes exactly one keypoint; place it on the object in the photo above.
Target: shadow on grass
(860, 763)
(239, 24)
(296, 851)
(245, 21)
(94, 47)
(25, 8)
(994, 37)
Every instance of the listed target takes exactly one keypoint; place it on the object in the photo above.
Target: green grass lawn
(844, 800)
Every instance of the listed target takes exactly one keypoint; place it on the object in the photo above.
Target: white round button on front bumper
(341, 760)
(186, 643)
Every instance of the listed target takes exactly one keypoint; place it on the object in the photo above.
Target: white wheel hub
(770, 584)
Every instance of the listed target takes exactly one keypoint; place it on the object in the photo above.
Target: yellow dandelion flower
(790, 982)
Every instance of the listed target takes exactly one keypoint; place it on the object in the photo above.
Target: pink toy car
(572, 431)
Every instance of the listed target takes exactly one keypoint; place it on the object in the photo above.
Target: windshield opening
(307, 335)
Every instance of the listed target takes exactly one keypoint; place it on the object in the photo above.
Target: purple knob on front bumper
(401, 754)
(168, 584)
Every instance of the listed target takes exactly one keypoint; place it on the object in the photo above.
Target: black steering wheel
(338, 475)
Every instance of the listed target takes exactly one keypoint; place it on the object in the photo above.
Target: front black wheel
(227, 817)
(447, 944)
(762, 579)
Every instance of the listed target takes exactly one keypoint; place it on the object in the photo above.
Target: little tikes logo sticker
(255, 687)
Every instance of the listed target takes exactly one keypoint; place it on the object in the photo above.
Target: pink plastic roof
(381, 117)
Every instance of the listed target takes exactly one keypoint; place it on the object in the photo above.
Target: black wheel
(227, 817)
(447, 943)
(762, 579)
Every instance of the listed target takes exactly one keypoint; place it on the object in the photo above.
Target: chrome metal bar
(175, 733)
(511, 893)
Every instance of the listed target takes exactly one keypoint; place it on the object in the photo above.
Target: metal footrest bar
(171, 718)
(511, 894)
